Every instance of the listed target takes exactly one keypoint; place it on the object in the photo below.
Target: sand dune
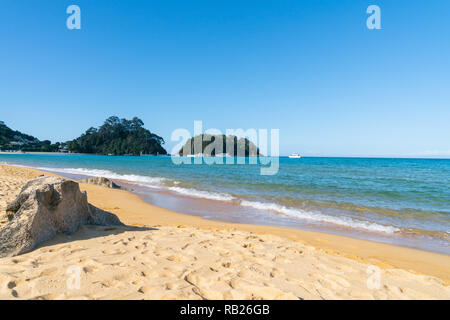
(186, 259)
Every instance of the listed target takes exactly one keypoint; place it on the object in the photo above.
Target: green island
(219, 145)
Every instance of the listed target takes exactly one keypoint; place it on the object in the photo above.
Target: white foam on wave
(319, 217)
(157, 182)
(146, 181)
(202, 194)
(142, 180)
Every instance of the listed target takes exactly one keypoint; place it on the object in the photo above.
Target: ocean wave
(158, 182)
(146, 181)
(319, 217)
(141, 180)
(202, 194)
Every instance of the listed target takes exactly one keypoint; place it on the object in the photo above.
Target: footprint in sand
(171, 286)
(48, 272)
(90, 269)
(258, 292)
(276, 273)
(202, 277)
(177, 258)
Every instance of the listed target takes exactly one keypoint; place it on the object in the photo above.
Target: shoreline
(366, 251)
(132, 210)
(232, 208)
(159, 198)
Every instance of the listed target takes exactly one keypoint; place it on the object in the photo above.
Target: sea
(403, 202)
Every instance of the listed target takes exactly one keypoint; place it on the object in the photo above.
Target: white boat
(295, 156)
(222, 155)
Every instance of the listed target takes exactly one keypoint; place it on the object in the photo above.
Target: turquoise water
(372, 198)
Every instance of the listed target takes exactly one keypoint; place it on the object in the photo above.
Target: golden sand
(166, 255)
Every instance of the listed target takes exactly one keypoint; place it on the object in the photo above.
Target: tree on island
(118, 136)
(218, 145)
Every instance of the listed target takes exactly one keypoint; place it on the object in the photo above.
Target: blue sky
(309, 68)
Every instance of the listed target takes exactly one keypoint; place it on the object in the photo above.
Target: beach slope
(166, 255)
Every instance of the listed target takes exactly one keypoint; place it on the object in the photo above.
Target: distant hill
(15, 140)
(118, 137)
(241, 147)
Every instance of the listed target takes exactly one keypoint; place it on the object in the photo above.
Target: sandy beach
(161, 254)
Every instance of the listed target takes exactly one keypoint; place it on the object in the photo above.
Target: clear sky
(309, 68)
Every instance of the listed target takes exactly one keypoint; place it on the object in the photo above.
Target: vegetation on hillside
(17, 141)
(212, 145)
(118, 137)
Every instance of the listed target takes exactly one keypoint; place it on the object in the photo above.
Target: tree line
(116, 136)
